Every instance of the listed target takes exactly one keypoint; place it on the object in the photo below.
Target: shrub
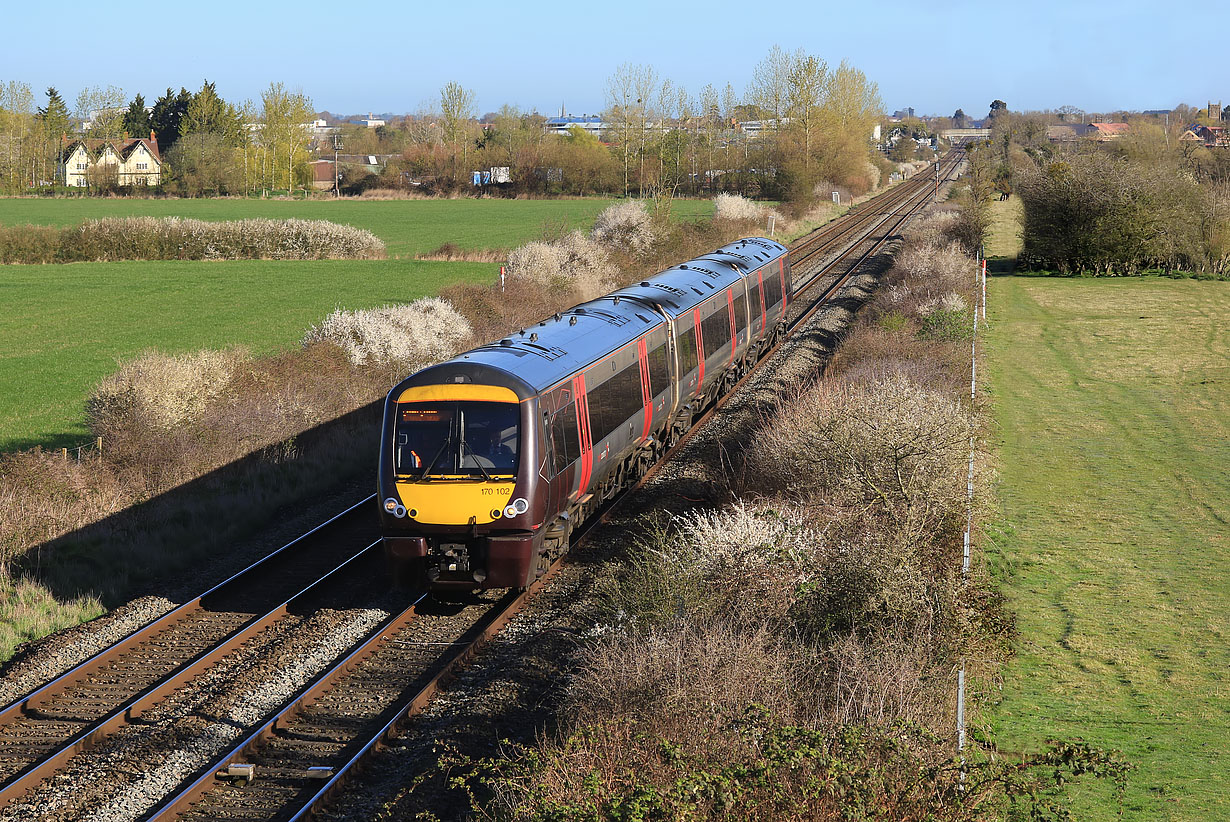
(176, 238)
(573, 263)
(626, 224)
(409, 336)
(739, 564)
(736, 207)
(161, 390)
(889, 444)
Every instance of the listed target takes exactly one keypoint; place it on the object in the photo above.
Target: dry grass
(831, 596)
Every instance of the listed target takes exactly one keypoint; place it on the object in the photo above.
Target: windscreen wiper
(466, 447)
(423, 474)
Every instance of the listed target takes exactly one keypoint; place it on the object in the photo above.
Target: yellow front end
(456, 501)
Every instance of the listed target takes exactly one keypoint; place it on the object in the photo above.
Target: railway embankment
(782, 602)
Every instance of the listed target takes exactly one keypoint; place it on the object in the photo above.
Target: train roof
(538, 357)
(679, 289)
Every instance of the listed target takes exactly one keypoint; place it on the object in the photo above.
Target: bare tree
(456, 110)
(769, 90)
(105, 107)
(808, 81)
(620, 112)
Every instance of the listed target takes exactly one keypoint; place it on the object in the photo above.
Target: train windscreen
(456, 440)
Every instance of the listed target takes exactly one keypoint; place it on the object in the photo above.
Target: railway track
(41, 731)
(298, 758)
(296, 762)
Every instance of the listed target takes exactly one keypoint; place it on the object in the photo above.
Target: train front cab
(458, 481)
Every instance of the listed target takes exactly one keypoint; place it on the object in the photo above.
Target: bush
(409, 336)
(161, 390)
(888, 444)
(575, 263)
(1092, 212)
(176, 238)
(738, 208)
(626, 224)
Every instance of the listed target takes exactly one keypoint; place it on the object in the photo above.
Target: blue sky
(393, 57)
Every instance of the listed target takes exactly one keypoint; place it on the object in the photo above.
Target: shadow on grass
(189, 535)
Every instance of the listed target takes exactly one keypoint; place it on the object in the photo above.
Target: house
(1069, 132)
(1210, 136)
(134, 162)
(1105, 132)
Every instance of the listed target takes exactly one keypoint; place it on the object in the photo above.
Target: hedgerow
(178, 238)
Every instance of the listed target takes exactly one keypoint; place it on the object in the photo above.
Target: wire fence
(92, 450)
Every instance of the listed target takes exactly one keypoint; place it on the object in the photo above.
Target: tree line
(207, 144)
(1146, 201)
(812, 130)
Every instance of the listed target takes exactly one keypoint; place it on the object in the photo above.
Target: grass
(1111, 397)
(72, 323)
(408, 227)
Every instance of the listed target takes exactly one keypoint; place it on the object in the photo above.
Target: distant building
(1210, 136)
(136, 162)
(1215, 112)
(323, 175)
(589, 123)
(1105, 132)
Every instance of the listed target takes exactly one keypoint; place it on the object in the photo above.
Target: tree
(1070, 114)
(456, 111)
(804, 97)
(620, 114)
(204, 162)
(168, 114)
(282, 138)
(19, 134)
(998, 107)
(770, 87)
(53, 119)
(959, 119)
(207, 113)
(136, 119)
(104, 107)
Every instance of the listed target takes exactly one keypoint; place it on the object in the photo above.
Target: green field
(1112, 399)
(68, 325)
(408, 227)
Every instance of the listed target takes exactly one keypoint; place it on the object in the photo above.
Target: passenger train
(490, 460)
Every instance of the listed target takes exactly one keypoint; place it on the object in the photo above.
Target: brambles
(177, 238)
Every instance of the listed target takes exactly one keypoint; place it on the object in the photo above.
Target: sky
(360, 56)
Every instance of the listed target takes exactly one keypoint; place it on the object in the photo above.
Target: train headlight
(510, 511)
(521, 505)
(390, 505)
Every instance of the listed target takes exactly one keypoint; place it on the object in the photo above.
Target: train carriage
(491, 459)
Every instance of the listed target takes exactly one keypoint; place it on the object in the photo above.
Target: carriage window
(686, 343)
(740, 313)
(715, 332)
(615, 401)
(772, 289)
(659, 371)
(755, 301)
(564, 437)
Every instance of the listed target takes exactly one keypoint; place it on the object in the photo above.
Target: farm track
(302, 756)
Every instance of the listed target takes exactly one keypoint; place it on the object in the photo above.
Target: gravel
(41, 662)
(194, 727)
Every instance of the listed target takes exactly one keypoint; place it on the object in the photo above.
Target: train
(491, 460)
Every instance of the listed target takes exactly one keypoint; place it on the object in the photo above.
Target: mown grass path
(1111, 398)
